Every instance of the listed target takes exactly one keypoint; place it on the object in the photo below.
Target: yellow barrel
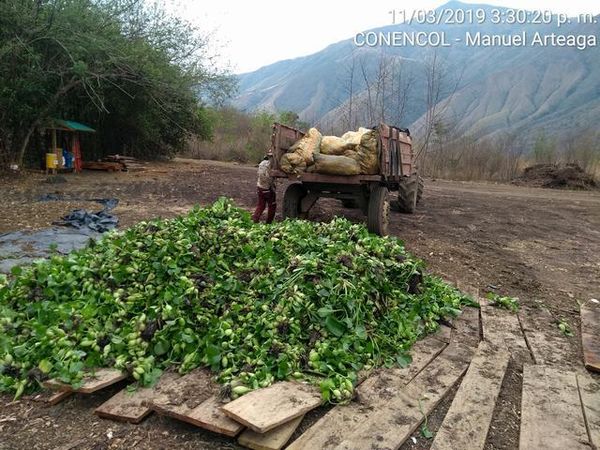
(51, 161)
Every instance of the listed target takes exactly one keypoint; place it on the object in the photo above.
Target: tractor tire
(291, 200)
(378, 211)
(420, 189)
(407, 195)
(349, 203)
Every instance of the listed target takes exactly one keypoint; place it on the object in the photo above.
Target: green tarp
(70, 125)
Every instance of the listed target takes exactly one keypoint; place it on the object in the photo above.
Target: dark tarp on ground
(24, 247)
(100, 221)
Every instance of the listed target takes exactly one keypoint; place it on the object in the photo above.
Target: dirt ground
(540, 245)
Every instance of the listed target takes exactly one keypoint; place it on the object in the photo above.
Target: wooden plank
(265, 409)
(546, 343)
(590, 335)
(191, 399)
(132, 406)
(209, 415)
(443, 334)
(388, 380)
(51, 398)
(468, 420)
(589, 391)
(466, 327)
(551, 411)
(58, 397)
(389, 420)
(332, 426)
(92, 382)
(271, 440)
(502, 329)
(337, 179)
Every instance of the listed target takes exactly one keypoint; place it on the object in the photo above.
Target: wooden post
(54, 151)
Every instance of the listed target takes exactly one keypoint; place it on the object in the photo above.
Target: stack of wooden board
(115, 163)
(128, 163)
(271, 414)
(102, 165)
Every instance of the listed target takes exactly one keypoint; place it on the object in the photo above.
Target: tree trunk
(41, 116)
(25, 143)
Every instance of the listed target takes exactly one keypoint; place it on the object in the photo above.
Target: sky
(250, 34)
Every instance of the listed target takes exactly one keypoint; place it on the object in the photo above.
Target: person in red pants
(265, 187)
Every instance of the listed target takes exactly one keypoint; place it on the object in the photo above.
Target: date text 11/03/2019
(479, 16)
(473, 39)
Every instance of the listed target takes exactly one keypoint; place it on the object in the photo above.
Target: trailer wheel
(378, 211)
(407, 195)
(349, 203)
(291, 200)
(420, 189)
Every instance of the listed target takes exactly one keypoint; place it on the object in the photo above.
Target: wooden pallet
(92, 382)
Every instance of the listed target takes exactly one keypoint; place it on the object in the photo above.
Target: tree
(544, 149)
(134, 72)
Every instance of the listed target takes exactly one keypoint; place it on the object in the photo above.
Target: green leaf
(426, 432)
(45, 366)
(361, 332)
(403, 360)
(161, 347)
(334, 326)
(152, 377)
(213, 354)
(187, 338)
(283, 369)
(324, 311)
(75, 367)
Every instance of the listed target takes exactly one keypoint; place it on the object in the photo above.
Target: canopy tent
(69, 126)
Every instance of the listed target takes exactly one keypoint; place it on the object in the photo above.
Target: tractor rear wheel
(378, 211)
(291, 200)
(407, 195)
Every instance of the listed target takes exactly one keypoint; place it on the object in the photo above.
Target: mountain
(478, 89)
